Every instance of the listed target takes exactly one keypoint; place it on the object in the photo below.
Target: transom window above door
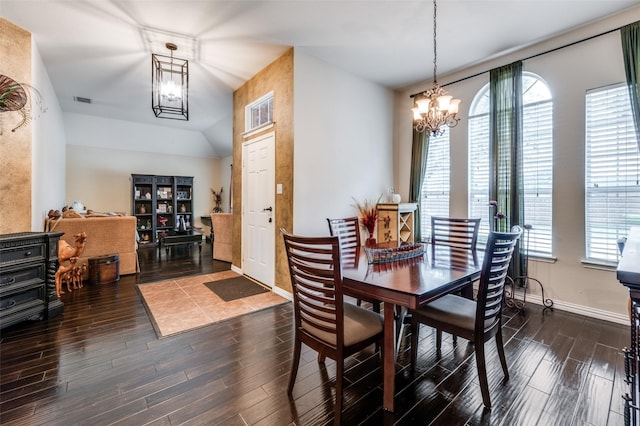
(259, 113)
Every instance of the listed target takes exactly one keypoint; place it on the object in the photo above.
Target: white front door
(258, 208)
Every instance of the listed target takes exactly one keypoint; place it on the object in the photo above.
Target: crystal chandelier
(434, 109)
(170, 86)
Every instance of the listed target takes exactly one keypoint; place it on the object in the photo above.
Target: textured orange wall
(276, 77)
(15, 147)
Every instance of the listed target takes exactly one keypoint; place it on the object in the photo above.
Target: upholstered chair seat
(359, 324)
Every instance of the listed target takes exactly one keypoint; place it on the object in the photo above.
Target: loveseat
(105, 235)
(221, 224)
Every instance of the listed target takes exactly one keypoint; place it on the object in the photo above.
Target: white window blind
(537, 162)
(612, 172)
(537, 172)
(434, 200)
(479, 167)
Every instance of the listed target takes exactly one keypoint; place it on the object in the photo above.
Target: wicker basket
(392, 254)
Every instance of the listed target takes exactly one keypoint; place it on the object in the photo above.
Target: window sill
(543, 259)
(599, 264)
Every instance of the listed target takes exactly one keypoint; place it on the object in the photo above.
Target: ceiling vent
(81, 99)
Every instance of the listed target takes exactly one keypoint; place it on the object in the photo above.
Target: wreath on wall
(16, 96)
(12, 95)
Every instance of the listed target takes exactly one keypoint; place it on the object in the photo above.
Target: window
(612, 172)
(537, 167)
(259, 113)
(434, 197)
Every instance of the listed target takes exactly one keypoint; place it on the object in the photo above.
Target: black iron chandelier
(170, 85)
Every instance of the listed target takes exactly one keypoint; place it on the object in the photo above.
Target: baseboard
(277, 290)
(582, 310)
(281, 292)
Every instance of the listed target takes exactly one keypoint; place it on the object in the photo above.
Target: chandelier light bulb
(170, 91)
(443, 102)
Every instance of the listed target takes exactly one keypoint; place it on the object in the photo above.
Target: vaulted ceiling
(96, 48)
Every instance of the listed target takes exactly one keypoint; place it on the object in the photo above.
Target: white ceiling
(95, 48)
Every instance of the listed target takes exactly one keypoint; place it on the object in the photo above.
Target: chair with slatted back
(348, 232)
(477, 321)
(454, 240)
(323, 321)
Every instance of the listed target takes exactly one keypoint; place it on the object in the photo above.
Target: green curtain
(419, 153)
(630, 35)
(505, 152)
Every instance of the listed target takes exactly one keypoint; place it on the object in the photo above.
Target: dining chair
(348, 232)
(323, 321)
(477, 321)
(454, 239)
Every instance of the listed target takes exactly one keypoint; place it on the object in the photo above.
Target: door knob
(268, 209)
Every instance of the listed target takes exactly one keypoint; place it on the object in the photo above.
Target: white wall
(48, 147)
(101, 132)
(570, 72)
(343, 132)
(100, 177)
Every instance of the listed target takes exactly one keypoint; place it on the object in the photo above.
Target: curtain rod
(528, 57)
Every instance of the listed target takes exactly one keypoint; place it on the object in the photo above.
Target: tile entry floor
(182, 304)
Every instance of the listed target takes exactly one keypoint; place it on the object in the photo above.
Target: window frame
(263, 106)
(439, 155)
(478, 167)
(617, 132)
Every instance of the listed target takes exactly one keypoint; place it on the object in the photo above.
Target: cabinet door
(184, 200)
(142, 206)
(164, 213)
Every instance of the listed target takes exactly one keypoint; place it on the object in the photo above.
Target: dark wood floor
(101, 363)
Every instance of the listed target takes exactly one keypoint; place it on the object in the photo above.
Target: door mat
(235, 288)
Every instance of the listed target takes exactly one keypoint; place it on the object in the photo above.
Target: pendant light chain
(435, 46)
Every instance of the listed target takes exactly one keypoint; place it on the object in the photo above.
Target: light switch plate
(279, 188)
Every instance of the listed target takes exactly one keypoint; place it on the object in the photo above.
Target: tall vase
(371, 240)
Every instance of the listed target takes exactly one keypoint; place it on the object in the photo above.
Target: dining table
(406, 284)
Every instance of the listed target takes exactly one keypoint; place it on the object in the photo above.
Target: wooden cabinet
(28, 263)
(396, 222)
(161, 204)
(628, 274)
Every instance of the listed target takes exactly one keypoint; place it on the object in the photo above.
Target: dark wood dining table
(409, 283)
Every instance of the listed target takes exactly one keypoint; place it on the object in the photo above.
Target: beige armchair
(221, 224)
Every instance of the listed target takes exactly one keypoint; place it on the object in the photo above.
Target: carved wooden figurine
(68, 253)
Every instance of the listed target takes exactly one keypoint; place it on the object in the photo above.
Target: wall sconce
(170, 85)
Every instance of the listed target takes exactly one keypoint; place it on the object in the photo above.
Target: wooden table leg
(389, 360)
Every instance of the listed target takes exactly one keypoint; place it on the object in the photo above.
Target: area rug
(235, 288)
(180, 305)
